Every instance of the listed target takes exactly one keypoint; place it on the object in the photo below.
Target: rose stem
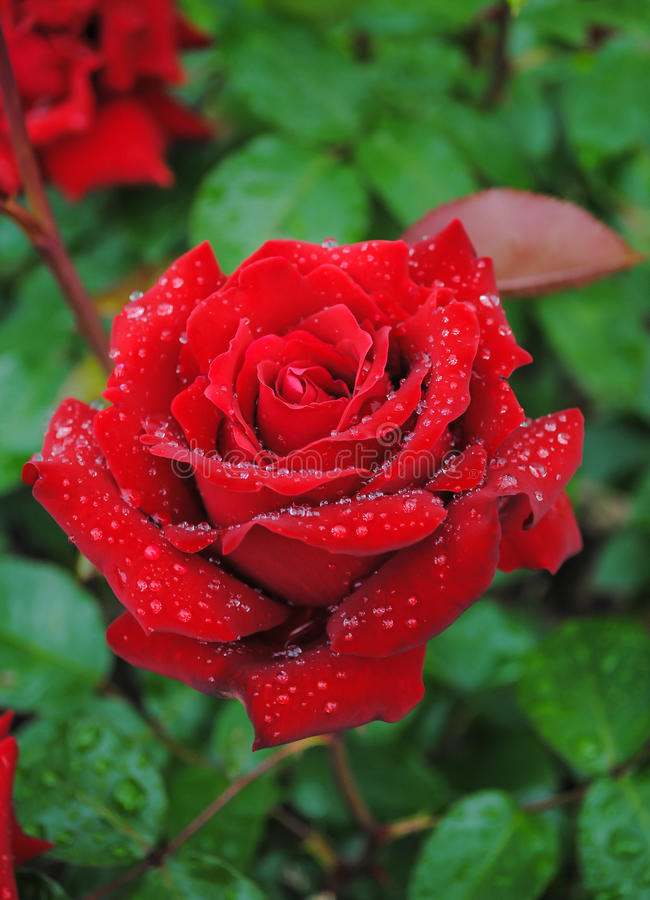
(158, 857)
(348, 786)
(38, 221)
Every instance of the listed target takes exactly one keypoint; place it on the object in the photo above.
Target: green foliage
(486, 847)
(614, 837)
(586, 689)
(275, 189)
(53, 647)
(348, 120)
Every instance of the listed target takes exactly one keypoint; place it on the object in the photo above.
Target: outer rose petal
(493, 412)
(124, 145)
(166, 589)
(145, 342)
(461, 472)
(537, 460)
(288, 695)
(175, 120)
(544, 546)
(362, 526)
(138, 39)
(449, 259)
(420, 591)
(378, 267)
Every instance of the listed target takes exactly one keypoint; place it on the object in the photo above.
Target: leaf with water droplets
(614, 837)
(194, 877)
(91, 787)
(486, 847)
(586, 689)
(538, 243)
(52, 647)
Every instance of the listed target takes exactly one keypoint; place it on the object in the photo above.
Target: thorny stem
(37, 220)
(157, 857)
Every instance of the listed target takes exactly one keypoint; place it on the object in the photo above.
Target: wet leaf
(188, 878)
(586, 689)
(52, 646)
(275, 189)
(93, 792)
(486, 847)
(539, 244)
(614, 837)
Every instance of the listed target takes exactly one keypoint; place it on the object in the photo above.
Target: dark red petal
(284, 427)
(537, 460)
(247, 477)
(24, 846)
(154, 485)
(461, 471)
(298, 573)
(8, 757)
(288, 696)
(197, 416)
(166, 589)
(191, 538)
(449, 260)
(420, 591)
(380, 268)
(146, 335)
(175, 119)
(145, 343)
(454, 329)
(273, 295)
(5, 723)
(361, 526)
(545, 546)
(493, 412)
(124, 145)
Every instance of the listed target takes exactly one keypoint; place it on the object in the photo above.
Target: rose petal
(448, 260)
(455, 334)
(124, 145)
(545, 546)
(493, 412)
(190, 538)
(289, 695)
(166, 589)
(285, 427)
(361, 525)
(461, 471)
(537, 460)
(420, 591)
(197, 416)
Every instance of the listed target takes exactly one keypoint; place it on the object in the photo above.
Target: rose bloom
(16, 847)
(309, 468)
(93, 76)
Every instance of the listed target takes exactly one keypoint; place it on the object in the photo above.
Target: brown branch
(501, 15)
(157, 857)
(38, 221)
(314, 842)
(348, 786)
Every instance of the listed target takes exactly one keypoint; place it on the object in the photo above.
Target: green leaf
(587, 691)
(35, 355)
(275, 189)
(239, 826)
(96, 794)
(309, 89)
(606, 101)
(485, 647)
(187, 878)
(413, 168)
(614, 837)
(183, 711)
(232, 741)
(486, 847)
(52, 646)
(599, 336)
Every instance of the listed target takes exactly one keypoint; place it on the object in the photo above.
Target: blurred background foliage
(350, 120)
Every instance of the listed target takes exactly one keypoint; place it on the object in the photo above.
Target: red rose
(92, 76)
(309, 468)
(16, 847)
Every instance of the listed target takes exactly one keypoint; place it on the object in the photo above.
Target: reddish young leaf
(538, 243)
